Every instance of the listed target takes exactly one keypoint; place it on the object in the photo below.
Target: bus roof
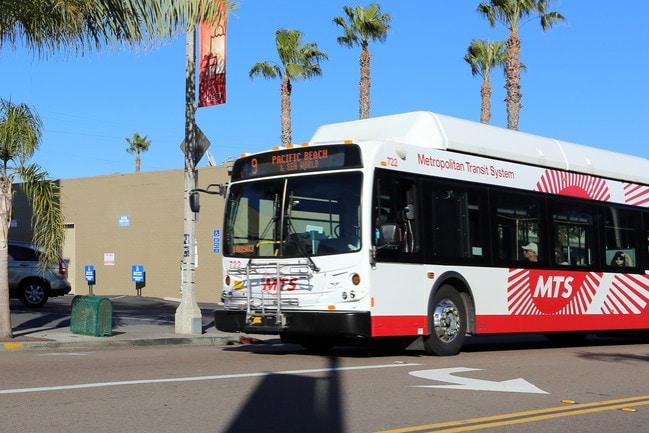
(436, 131)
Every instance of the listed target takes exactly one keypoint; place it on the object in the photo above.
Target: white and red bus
(420, 225)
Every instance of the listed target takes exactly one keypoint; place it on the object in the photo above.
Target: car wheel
(33, 293)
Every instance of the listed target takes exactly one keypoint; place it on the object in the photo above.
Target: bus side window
(457, 225)
(518, 225)
(572, 226)
(645, 253)
(620, 237)
(395, 215)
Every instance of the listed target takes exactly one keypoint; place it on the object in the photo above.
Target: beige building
(118, 221)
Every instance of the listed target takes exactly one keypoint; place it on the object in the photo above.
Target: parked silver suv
(28, 282)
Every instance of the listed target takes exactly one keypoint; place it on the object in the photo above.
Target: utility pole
(188, 318)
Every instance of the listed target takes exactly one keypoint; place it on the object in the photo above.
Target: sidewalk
(137, 321)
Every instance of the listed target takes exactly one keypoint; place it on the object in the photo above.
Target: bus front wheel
(447, 324)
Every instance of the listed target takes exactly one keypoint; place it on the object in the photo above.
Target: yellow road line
(526, 416)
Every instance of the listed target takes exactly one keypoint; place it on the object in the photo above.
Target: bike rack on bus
(267, 315)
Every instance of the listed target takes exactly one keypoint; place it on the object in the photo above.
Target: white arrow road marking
(446, 375)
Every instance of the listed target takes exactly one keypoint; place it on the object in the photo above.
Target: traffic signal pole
(188, 319)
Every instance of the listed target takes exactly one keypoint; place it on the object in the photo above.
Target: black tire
(33, 293)
(447, 323)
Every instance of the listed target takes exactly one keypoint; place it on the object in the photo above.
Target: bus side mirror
(389, 235)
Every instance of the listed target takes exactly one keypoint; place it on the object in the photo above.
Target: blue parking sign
(217, 240)
(89, 272)
(137, 273)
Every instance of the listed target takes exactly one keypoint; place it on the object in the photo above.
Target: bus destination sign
(297, 160)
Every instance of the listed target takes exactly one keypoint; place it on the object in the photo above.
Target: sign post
(138, 277)
(89, 272)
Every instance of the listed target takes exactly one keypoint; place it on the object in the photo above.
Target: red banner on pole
(211, 89)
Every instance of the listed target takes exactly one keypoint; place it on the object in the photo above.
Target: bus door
(398, 280)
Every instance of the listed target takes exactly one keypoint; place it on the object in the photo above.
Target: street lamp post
(188, 319)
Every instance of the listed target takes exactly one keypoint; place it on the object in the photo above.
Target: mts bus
(425, 226)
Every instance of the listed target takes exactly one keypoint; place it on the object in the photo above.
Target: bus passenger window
(572, 226)
(620, 237)
(395, 215)
(457, 228)
(518, 222)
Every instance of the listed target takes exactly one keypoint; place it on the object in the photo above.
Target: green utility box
(91, 315)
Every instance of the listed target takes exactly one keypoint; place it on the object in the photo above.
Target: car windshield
(294, 217)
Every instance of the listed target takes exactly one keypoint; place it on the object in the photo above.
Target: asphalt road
(497, 386)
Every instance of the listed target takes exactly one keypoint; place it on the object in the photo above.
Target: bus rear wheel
(447, 324)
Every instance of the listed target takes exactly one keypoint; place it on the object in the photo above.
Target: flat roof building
(118, 221)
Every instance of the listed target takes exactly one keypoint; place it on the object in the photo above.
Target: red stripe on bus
(394, 326)
(556, 323)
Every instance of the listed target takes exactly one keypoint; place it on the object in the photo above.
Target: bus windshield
(294, 217)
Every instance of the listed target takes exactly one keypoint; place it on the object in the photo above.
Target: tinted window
(396, 206)
(518, 224)
(457, 228)
(621, 238)
(22, 254)
(574, 235)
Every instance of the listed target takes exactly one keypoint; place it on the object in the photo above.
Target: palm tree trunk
(137, 162)
(485, 93)
(513, 86)
(6, 202)
(285, 90)
(364, 85)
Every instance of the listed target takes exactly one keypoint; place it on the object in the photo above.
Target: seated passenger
(621, 260)
(558, 256)
(531, 252)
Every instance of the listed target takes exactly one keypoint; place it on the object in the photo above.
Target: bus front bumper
(322, 323)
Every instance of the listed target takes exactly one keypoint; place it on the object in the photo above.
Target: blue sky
(586, 82)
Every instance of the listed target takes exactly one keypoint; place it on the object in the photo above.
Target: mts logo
(285, 283)
(554, 286)
(551, 291)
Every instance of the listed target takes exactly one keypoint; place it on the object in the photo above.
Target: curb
(141, 342)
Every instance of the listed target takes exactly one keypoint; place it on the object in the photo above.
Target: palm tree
(79, 26)
(511, 13)
(483, 56)
(363, 25)
(297, 62)
(20, 135)
(71, 27)
(138, 144)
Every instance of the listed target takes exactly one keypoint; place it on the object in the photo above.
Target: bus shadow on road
(311, 403)
(514, 342)
(367, 350)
